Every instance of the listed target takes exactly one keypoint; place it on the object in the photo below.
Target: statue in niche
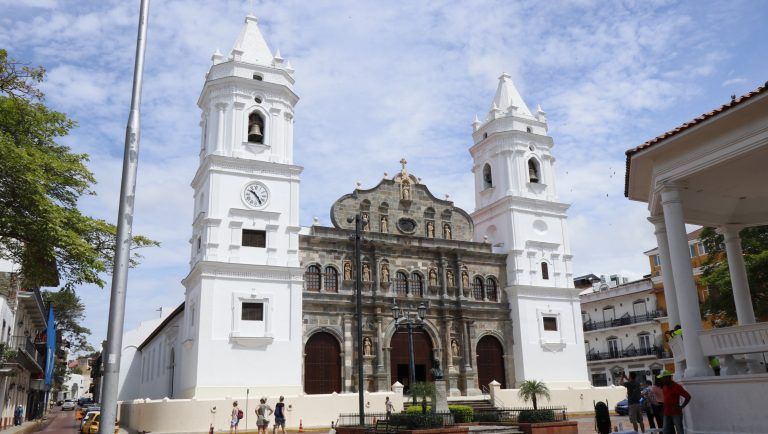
(365, 222)
(447, 231)
(366, 272)
(449, 278)
(367, 347)
(384, 224)
(465, 280)
(432, 277)
(385, 273)
(437, 373)
(405, 190)
(347, 270)
(455, 347)
(430, 229)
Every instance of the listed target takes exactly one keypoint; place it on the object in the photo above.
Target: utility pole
(359, 310)
(124, 236)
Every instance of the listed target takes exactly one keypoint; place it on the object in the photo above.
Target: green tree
(41, 181)
(424, 390)
(70, 312)
(719, 305)
(531, 390)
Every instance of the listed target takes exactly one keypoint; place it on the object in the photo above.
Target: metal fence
(353, 419)
(511, 415)
(623, 320)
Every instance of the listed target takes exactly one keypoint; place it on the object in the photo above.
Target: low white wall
(728, 404)
(577, 400)
(195, 416)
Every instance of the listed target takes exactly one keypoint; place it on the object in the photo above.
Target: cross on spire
(403, 162)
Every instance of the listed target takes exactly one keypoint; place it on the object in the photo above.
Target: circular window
(540, 226)
(531, 148)
(406, 225)
(258, 100)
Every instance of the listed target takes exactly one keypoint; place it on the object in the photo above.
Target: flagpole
(124, 237)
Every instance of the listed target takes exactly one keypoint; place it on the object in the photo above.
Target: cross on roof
(403, 162)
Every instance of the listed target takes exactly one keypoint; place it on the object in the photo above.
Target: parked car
(622, 407)
(90, 412)
(68, 404)
(93, 426)
(86, 423)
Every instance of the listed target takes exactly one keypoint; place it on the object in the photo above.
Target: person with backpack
(262, 421)
(279, 416)
(237, 414)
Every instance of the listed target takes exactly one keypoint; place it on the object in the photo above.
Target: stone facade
(441, 272)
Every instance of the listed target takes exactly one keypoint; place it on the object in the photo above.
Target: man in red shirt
(673, 410)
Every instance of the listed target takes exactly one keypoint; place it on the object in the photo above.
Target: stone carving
(465, 280)
(405, 190)
(365, 222)
(447, 231)
(385, 273)
(347, 270)
(366, 272)
(449, 278)
(437, 373)
(455, 348)
(430, 229)
(432, 277)
(384, 226)
(367, 347)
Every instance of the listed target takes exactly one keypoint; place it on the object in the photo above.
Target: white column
(741, 294)
(667, 276)
(685, 286)
(220, 107)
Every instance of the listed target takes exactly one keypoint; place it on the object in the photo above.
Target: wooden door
(399, 357)
(490, 362)
(322, 365)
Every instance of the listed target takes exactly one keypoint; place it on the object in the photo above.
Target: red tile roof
(725, 107)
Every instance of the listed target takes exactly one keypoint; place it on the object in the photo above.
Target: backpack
(239, 414)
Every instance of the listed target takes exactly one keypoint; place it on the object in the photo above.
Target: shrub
(416, 409)
(416, 420)
(486, 416)
(461, 413)
(534, 416)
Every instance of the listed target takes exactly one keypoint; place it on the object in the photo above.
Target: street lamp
(404, 318)
(359, 312)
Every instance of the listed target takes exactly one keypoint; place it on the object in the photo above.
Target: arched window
(487, 176)
(312, 278)
(331, 283)
(477, 288)
(255, 128)
(491, 288)
(534, 174)
(544, 271)
(417, 284)
(401, 283)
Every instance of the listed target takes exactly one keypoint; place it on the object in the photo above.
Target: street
(61, 422)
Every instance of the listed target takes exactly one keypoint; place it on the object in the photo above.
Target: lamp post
(404, 318)
(359, 312)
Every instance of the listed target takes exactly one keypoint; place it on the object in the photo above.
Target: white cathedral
(268, 305)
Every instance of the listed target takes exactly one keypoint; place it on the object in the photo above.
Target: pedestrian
(673, 410)
(236, 415)
(633, 400)
(649, 400)
(389, 406)
(714, 363)
(18, 415)
(658, 408)
(262, 418)
(279, 416)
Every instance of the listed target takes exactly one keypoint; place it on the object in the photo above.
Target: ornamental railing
(511, 415)
(622, 321)
(629, 353)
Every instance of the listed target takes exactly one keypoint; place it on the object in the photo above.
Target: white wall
(129, 381)
(726, 404)
(577, 400)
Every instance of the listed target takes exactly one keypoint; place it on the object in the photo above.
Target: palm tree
(423, 390)
(532, 389)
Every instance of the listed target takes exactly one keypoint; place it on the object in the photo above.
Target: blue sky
(383, 80)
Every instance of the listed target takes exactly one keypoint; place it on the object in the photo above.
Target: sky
(379, 81)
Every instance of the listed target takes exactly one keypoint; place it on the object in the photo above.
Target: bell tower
(244, 289)
(517, 211)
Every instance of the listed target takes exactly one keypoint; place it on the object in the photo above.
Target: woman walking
(237, 414)
(262, 420)
(279, 416)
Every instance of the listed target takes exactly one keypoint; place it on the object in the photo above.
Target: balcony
(628, 353)
(27, 354)
(623, 320)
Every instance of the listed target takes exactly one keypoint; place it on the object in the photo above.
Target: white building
(622, 331)
(239, 330)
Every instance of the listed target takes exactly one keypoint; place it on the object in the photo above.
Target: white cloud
(381, 81)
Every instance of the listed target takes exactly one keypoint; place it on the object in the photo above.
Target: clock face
(256, 195)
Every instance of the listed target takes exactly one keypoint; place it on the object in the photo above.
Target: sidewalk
(26, 427)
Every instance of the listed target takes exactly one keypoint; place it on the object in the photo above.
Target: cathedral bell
(254, 133)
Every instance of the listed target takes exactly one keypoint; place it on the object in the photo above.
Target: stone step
(489, 429)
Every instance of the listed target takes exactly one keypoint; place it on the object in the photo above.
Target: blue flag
(50, 346)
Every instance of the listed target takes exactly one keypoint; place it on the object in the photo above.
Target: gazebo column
(742, 297)
(685, 286)
(667, 277)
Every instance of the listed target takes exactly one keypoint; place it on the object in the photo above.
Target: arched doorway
(322, 364)
(399, 358)
(490, 362)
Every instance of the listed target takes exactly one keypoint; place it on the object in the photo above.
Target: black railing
(353, 419)
(629, 352)
(25, 345)
(511, 415)
(623, 320)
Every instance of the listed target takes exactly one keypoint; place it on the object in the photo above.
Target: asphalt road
(62, 422)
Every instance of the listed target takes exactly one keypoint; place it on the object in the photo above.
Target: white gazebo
(711, 171)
